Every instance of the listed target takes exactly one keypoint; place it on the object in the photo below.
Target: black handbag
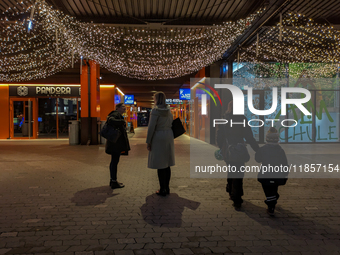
(110, 133)
(235, 153)
(177, 127)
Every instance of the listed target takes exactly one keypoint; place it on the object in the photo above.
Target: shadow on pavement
(166, 211)
(296, 227)
(92, 196)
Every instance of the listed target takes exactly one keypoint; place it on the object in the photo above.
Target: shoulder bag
(110, 133)
(177, 127)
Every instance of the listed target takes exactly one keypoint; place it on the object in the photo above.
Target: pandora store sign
(47, 91)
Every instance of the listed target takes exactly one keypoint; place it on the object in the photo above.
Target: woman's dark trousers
(164, 178)
(113, 165)
(235, 182)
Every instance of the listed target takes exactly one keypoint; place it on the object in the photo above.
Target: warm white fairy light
(143, 53)
(303, 41)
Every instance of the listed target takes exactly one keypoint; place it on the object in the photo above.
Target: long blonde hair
(160, 99)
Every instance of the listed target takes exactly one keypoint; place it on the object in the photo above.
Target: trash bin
(24, 129)
(102, 139)
(73, 131)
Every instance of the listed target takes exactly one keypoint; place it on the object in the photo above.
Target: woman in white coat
(160, 142)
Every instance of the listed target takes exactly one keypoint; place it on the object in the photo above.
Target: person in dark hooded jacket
(122, 146)
(232, 135)
(272, 155)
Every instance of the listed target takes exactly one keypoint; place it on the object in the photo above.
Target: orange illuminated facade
(31, 111)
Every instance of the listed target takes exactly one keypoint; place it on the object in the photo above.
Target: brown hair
(160, 99)
(119, 105)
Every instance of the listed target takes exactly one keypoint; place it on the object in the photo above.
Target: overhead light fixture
(29, 25)
(120, 91)
(198, 83)
(107, 86)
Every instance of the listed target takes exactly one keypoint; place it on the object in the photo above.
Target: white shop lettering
(53, 90)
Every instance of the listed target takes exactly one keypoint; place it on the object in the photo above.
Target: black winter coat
(272, 154)
(115, 119)
(237, 133)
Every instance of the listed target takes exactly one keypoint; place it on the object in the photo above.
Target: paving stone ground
(55, 199)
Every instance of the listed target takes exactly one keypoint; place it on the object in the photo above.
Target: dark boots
(164, 180)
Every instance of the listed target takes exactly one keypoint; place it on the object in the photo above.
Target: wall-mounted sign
(184, 94)
(117, 99)
(129, 99)
(173, 101)
(44, 91)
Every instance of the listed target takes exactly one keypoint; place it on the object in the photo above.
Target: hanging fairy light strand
(143, 53)
(297, 40)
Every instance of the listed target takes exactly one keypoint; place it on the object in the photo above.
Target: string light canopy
(303, 42)
(281, 70)
(147, 53)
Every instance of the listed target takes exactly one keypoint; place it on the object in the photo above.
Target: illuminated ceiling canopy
(56, 40)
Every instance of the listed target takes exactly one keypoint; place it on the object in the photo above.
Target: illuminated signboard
(117, 99)
(173, 101)
(44, 91)
(184, 94)
(129, 99)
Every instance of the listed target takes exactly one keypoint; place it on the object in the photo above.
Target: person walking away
(160, 143)
(232, 135)
(116, 119)
(271, 155)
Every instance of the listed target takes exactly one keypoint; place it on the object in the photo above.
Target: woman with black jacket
(116, 119)
(239, 132)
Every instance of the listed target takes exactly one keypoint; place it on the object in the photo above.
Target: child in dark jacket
(272, 174)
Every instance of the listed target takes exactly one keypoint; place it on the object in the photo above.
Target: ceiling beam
(153, 25)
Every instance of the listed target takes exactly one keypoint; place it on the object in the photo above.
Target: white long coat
(161, 138)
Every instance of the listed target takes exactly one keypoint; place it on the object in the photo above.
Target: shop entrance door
(23, 114)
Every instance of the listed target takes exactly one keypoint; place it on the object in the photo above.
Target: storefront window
(51, 126)
(67, 110)
(47, 118)
(327, 116)
(249, 115)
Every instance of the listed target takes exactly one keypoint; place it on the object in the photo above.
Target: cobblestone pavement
(55, 199)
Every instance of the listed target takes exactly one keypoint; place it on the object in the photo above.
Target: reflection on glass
(22, 111)
(67, 110)
(249, 115)
(49, 125)
(327, 116)
(47, 118)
